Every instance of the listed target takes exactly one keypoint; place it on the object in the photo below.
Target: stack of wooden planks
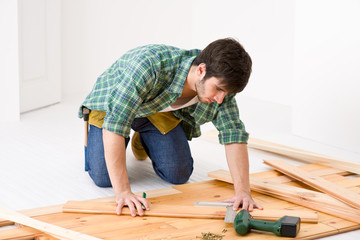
(283, 187)
(329, 185)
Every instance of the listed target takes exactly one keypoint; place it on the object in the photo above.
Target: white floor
(42, 155)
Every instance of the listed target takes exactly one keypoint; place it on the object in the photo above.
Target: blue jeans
(170, 153)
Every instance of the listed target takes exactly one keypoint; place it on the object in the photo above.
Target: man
(164, 94)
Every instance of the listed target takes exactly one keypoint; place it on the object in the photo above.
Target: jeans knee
(180, 179)
(175, 174)
(100, 180)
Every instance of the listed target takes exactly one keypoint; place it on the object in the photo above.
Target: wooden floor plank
(42, 226)
(323, 171)
(23, 233)
(304, 156)
(317, 182)
(58, 208)
(185, 211)
(350, 182)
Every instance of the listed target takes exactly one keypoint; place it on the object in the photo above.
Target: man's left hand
(245, 200)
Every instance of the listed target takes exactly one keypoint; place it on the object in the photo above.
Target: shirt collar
(180, 77)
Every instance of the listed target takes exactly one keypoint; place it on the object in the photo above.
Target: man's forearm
(238, 162)
(115, 157)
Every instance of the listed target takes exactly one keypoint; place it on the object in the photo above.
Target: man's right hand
(133, 202)
(114, 146)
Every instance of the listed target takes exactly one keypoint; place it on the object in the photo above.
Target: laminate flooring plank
(186, 211)
(319, 183)
(23, 233)
(304, 156)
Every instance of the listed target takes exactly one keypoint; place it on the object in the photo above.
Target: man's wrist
(120, 193)
(242, 190)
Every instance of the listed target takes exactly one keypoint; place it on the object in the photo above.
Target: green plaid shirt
(148, 79)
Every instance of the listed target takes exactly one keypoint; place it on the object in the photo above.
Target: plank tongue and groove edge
(184, 211)
(339, 192)
(304, 197)
(51, 229)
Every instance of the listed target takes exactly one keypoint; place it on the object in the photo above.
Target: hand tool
(287, 226)
(86, 113)
(230, 213)
(142, 205)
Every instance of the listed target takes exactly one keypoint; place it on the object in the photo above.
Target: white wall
(326, 103)
(9, 61)
(265, 29)
(97, 32)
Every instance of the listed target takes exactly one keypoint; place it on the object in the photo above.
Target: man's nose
(219, 97)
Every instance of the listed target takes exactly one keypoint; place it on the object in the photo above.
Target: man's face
(210, 90)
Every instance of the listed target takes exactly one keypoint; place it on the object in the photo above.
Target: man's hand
(134, 203)
(245, 199)
(238, 162)
(114, 145)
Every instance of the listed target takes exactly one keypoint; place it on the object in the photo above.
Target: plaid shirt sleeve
(227, 121)
(119, 114)
(123, 99)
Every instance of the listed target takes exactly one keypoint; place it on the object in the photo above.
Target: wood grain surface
(108, 226)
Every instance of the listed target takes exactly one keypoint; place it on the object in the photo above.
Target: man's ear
(201, 70)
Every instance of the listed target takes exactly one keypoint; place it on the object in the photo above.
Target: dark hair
(227, 60)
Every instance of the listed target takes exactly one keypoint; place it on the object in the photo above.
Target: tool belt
(163, 121)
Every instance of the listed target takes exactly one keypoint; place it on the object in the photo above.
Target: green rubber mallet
(287, 226)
